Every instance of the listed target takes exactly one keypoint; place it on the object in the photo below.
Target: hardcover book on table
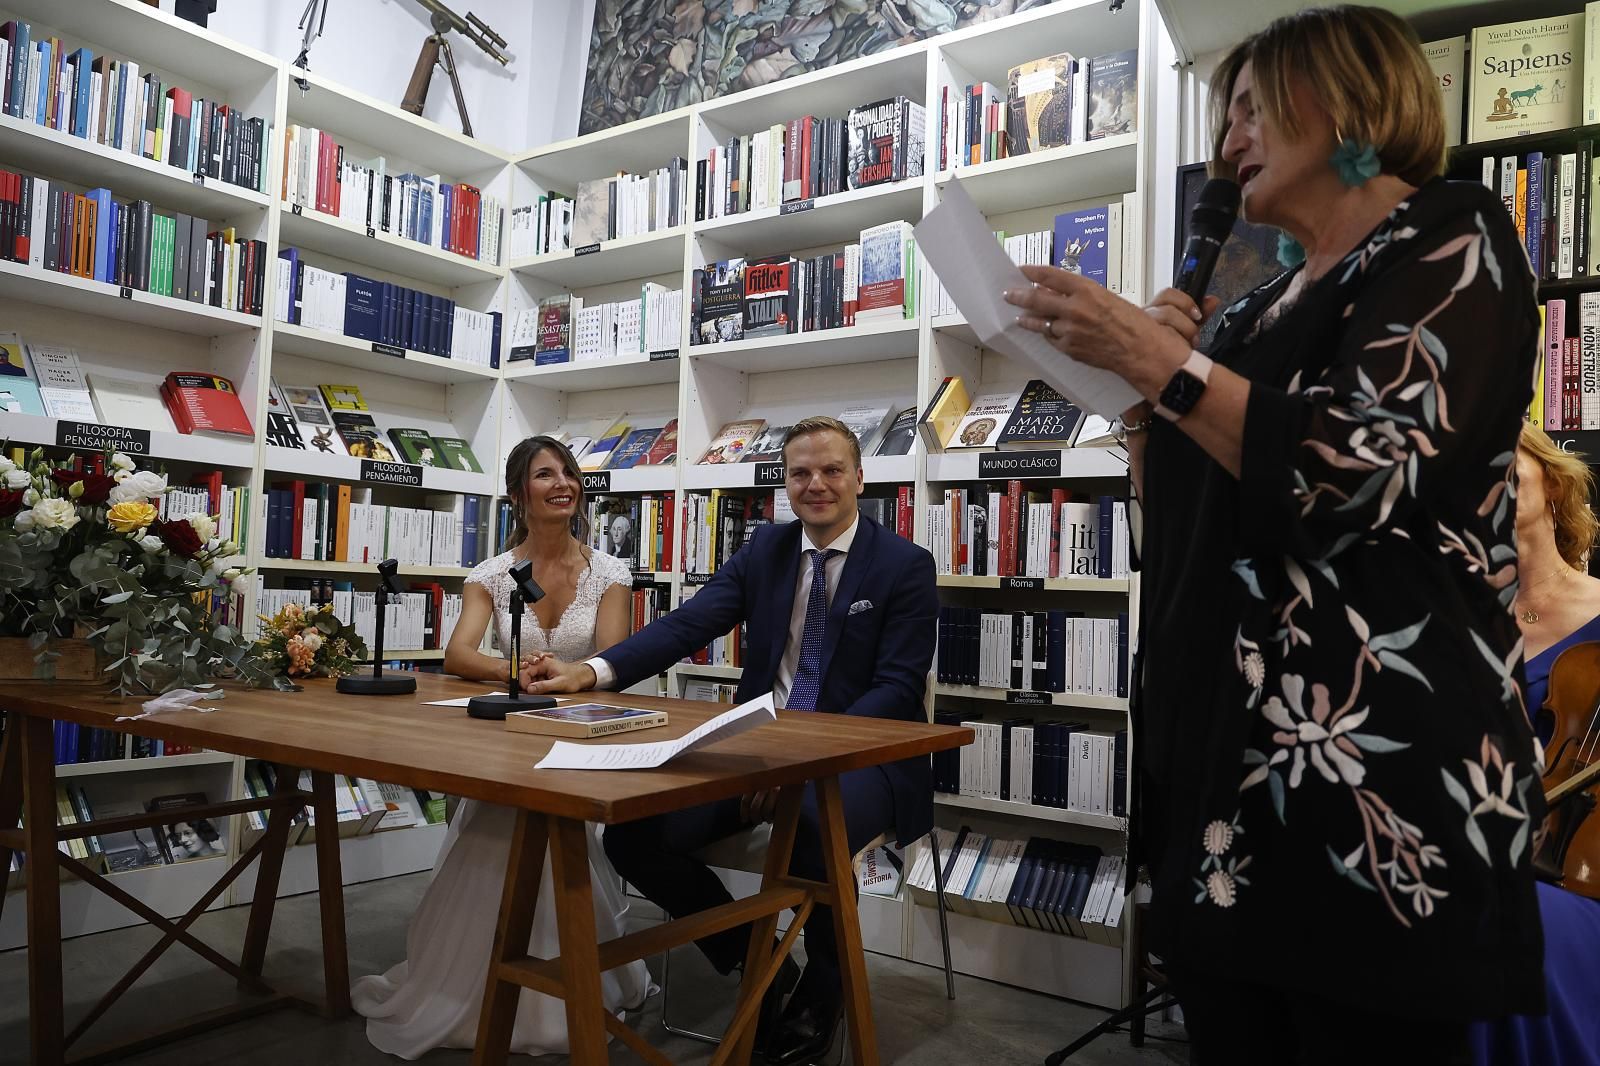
(1042, 418)
(1039, 104)
(457, 454)
(311, 416)
(664, 449)
(1527, 77)
(732, 441)
(584, 720)
(416, 446)
(1113, 94)
(1080, 244)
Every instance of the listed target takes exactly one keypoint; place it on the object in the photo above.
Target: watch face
(1182, 393)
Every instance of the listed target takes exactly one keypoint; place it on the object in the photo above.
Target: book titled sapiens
(584, 720)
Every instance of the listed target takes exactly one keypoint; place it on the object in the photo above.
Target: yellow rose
(130, 515)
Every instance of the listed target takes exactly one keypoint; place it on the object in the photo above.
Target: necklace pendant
(1530, 616)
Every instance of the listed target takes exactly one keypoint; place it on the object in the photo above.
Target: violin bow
(1578, 781)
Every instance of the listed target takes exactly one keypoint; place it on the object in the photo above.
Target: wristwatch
(1184, 389)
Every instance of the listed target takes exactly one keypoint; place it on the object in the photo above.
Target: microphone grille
(1216, 209)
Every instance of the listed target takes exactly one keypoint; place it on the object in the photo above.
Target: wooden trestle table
(399, 739)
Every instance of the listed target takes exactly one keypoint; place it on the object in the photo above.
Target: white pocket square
(860, 606)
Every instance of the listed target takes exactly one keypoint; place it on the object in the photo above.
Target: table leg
(846, 924)
(279, 819)
(330, 894)
(46, 1017)
(580, 945)
(10, 791)
(780, 851)
(524, 870)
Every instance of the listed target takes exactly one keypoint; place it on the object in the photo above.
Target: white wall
(372, 45)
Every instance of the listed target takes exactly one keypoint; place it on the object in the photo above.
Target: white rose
(24, 521)
(6, 465)
(31, 497)
(311, 639)
(143, 485)
(151, 544)
(204, 525)
(17, 479)
(121, 462)
(217, 565)
(231, 574)
(55, 514)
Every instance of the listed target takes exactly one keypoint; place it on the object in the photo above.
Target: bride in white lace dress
(432, 998)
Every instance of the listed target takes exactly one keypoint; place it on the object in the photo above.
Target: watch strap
(1197, 368)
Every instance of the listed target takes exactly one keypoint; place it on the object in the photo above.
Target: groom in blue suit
(840, 615)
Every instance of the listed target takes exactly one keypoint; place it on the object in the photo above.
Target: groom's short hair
(823, 424)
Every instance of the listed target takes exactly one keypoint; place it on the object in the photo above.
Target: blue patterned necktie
(808, 674)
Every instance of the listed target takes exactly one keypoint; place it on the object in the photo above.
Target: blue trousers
(656, 856)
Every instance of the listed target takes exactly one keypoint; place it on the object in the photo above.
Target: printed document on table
(957, 242)
(566, 755)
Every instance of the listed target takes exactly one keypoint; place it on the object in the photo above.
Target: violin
(1570, 853)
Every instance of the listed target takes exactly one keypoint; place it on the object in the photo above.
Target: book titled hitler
(204, 403)
(584, 720)
(770, 297)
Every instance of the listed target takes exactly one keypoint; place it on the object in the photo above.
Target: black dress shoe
(808, 1028)
(767, 1021)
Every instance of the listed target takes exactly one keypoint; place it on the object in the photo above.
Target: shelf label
(200, 178)
(1027, 696)
(90, 436)
(1022, 584)
(1019, 464)
(378, 472)
(796, 207)
(769, 474)
(372, 233)
(598, 481)
(1578, 440)
(586, 249)
(388, 349)
(670, 353)
(294, 209)
(692, 578)
(125, 291)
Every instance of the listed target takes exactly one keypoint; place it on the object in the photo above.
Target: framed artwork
(1249, 258)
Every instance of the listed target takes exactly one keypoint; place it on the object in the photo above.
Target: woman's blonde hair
(1569, 486)
(1365, 66)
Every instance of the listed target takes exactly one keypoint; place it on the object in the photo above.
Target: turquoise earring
(1355, 161)
(1290, 252)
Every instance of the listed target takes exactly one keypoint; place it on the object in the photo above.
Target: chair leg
(944, 923)
(666, 1006)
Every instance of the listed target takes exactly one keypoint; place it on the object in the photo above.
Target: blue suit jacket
(875, 662)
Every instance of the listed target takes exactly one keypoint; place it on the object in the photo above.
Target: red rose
(179, 537)
(10, 502)
(96, 487)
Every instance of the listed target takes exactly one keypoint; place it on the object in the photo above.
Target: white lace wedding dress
(431, 999)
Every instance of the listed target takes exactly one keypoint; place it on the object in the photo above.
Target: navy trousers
(656, 856)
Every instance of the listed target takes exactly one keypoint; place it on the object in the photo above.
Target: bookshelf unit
(896, 363)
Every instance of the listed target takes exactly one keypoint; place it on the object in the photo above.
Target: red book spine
(667, 512)
(1057, 498)
(807, 132)
(1572, 360)
(791, 161)
(902, 511)
(1014, 491)
(297, 549)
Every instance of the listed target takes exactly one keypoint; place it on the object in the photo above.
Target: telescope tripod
(435, 51)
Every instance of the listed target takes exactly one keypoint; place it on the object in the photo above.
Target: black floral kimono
(1338, 787)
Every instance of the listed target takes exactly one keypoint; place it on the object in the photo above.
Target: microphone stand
(377, 684)
(524, 591)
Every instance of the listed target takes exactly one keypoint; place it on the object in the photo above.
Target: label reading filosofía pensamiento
(97, 438)
(378, 472)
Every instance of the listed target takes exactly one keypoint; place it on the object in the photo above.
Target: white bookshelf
(893, 363)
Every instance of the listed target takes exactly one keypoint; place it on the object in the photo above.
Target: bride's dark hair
(517, 463)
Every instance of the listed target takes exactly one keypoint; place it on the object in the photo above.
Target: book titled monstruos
(584, 720)
(416, 446)
(204, 403)
(1113, 94)
(883, 291)
(1042, 418)
(881, 147)
(1527, 77)
(1039, 104)
(770, 297)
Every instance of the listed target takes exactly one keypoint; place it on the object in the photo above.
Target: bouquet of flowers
(310, 642)
(87, 554)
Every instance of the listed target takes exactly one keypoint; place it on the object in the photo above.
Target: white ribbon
(179, 699)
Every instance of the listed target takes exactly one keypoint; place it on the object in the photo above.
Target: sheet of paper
(956, 240)
(567, 755)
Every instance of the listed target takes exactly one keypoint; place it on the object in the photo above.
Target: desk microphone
(1210, 223)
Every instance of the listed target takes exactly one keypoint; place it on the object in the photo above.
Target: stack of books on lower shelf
(363, 806)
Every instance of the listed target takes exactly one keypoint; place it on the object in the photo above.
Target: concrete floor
(987, 1024)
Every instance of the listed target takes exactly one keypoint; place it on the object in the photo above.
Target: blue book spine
(122, 106)
(361, 305)
(20, 47)
(1535, 212)
(102, 233)
(1056, 672)
(435, 323)
(494, 340)
(293, 256)
(446, 204)
(385, 298)
(469, 538)
(82, 91)
(45, 58)
(419, 311)
(447, 343)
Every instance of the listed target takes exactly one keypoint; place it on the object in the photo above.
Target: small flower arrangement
(309, 642)
(86, 554)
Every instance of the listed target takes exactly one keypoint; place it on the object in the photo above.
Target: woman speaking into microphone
(1337, 781)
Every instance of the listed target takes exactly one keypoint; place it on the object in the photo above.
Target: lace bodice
(572, 640)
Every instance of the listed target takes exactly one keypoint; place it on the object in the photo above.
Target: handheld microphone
(1210, 223)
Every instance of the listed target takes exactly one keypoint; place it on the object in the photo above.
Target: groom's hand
(548, 674)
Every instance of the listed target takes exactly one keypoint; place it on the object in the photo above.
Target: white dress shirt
(605, 677)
